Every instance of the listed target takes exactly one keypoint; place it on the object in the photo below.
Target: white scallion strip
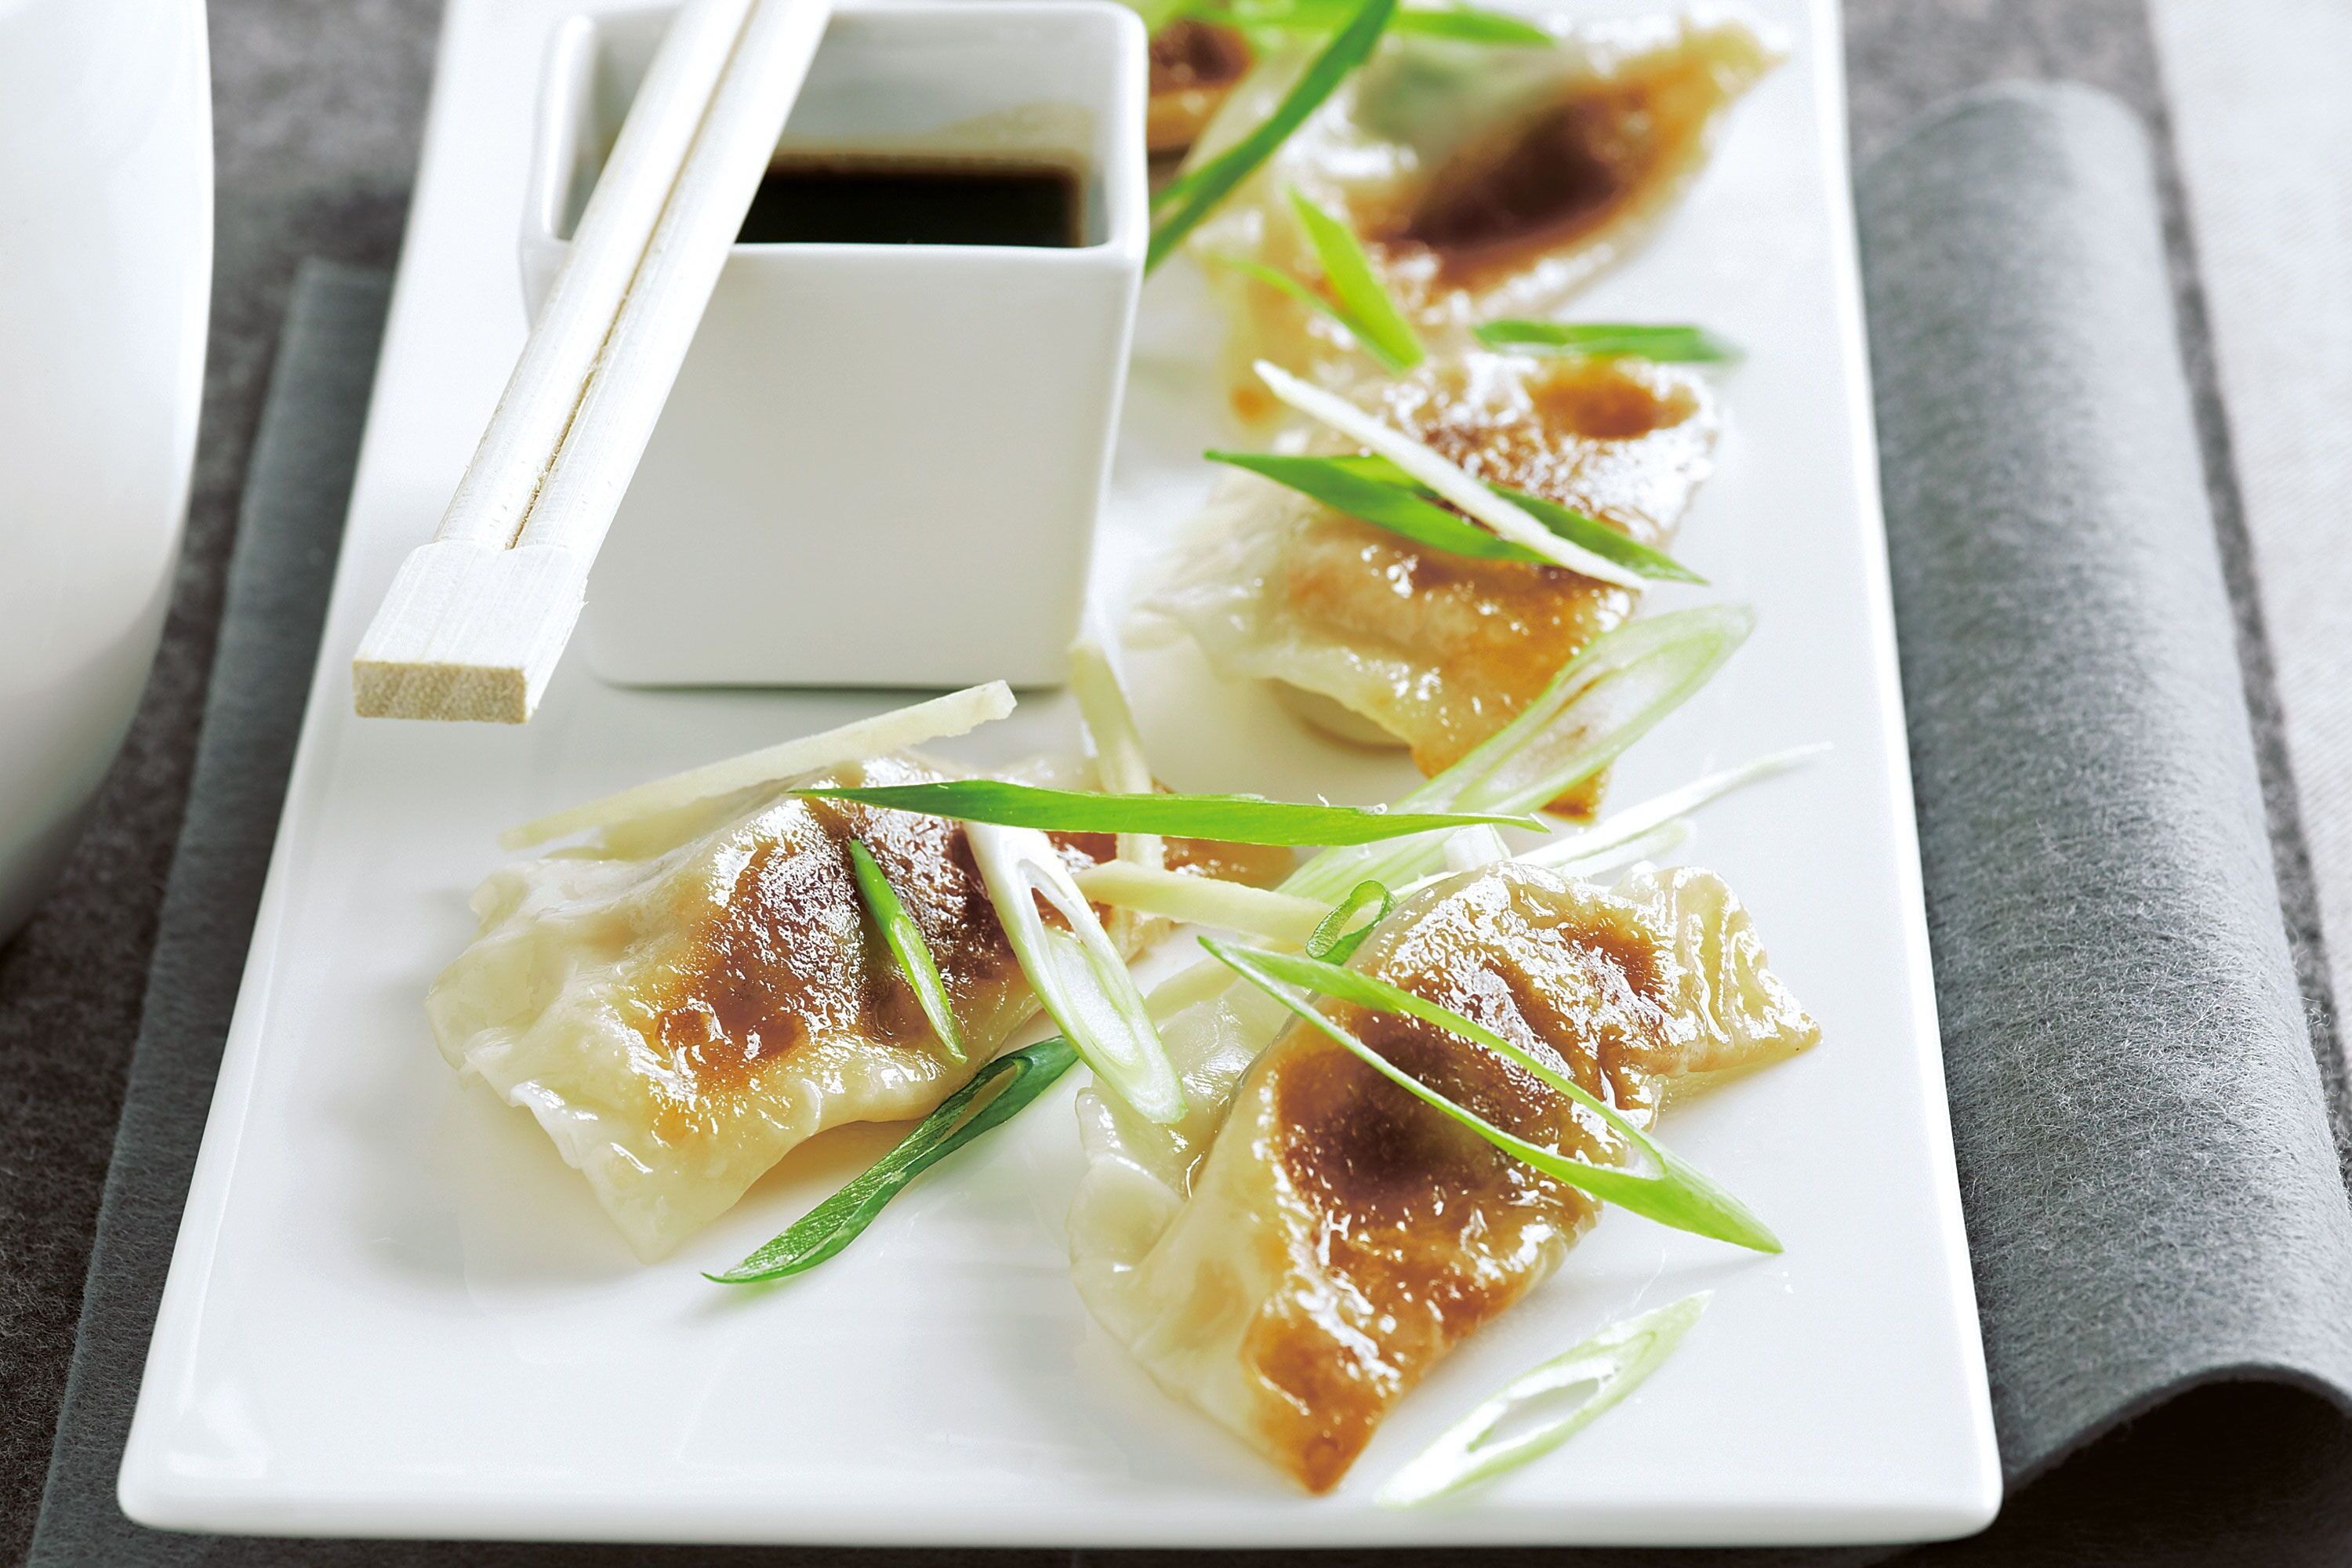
(1468, 848)
(1601, 702)
(1655, 844)
(1508, 521)
(1637, 822)
(1076, 974)
(1203, 901)
(1667, 838)
(954, 714)
(1118, 745)
(1205, 981)
(1604, 1369)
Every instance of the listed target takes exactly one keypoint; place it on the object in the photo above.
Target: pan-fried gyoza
(1382, 639)
(1483, 181)
(1299, 1251)
(688, 996)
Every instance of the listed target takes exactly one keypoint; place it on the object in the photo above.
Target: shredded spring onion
(1120, 761)
(1612, 339)
(1602, 1369)
(1654, 843)
(1202, 900)
(954, 714)
(1076, 972)
(1234, 818)
(1450, 482)
(905, 940)
(1470, 849)
(1670, 1190)
(1364, 306)
(1602, 701)
(1635, 822)
(840, 1219)
(1193, 194)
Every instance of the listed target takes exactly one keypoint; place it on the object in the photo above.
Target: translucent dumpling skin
(1301, 1253)
(1485, 182)
(683, 1000)
(1436, 649)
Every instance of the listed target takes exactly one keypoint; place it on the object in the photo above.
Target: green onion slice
(1671, 1190)
(1608, 697)
(1460, 24)
(905, 939)
(1351, 919)
(1076, 971)
(1366, 309)
(1590, 533)
(1612, 339)
(1193, 194)
(1276, 278)
(1601, 1370)
(1375, 491)
(1428, 466)
(1232, 818)
(1400, 508)
(840, 1219)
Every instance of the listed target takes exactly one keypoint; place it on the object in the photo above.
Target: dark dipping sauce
(850, 199)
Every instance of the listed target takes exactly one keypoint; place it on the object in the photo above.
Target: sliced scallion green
(905, 940)
(1364, 306)
(1671, 1190)
(1590, 532)
(1374, 489)
(1602, 1369)
(1612, 339)
(1232, 818)
(1193, 194)
(836, 1222)
(1351, 919)
(1460, 24)
(1400, 508)
(1450, 482)
(1276, 278)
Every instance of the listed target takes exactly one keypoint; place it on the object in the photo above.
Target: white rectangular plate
(393, 1310)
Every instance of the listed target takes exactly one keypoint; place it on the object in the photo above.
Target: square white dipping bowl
(881, 464)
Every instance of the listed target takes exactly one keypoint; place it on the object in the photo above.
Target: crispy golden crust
(1338, 1237)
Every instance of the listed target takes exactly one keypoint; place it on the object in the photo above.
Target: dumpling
(685, 999)
(1296, 1254)
(1485, 182)
(1193, 64)
(1380, 639)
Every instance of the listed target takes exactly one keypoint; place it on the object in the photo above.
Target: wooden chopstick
(476, 620)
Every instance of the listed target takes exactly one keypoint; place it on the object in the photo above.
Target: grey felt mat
(2153, 1198)
(2153, 1193)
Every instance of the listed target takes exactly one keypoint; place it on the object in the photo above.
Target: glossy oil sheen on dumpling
(1485, 181)
(684, 1000)
(1312, 1240)
(1436, 649)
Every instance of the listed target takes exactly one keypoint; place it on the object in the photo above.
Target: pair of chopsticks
(476, 620)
